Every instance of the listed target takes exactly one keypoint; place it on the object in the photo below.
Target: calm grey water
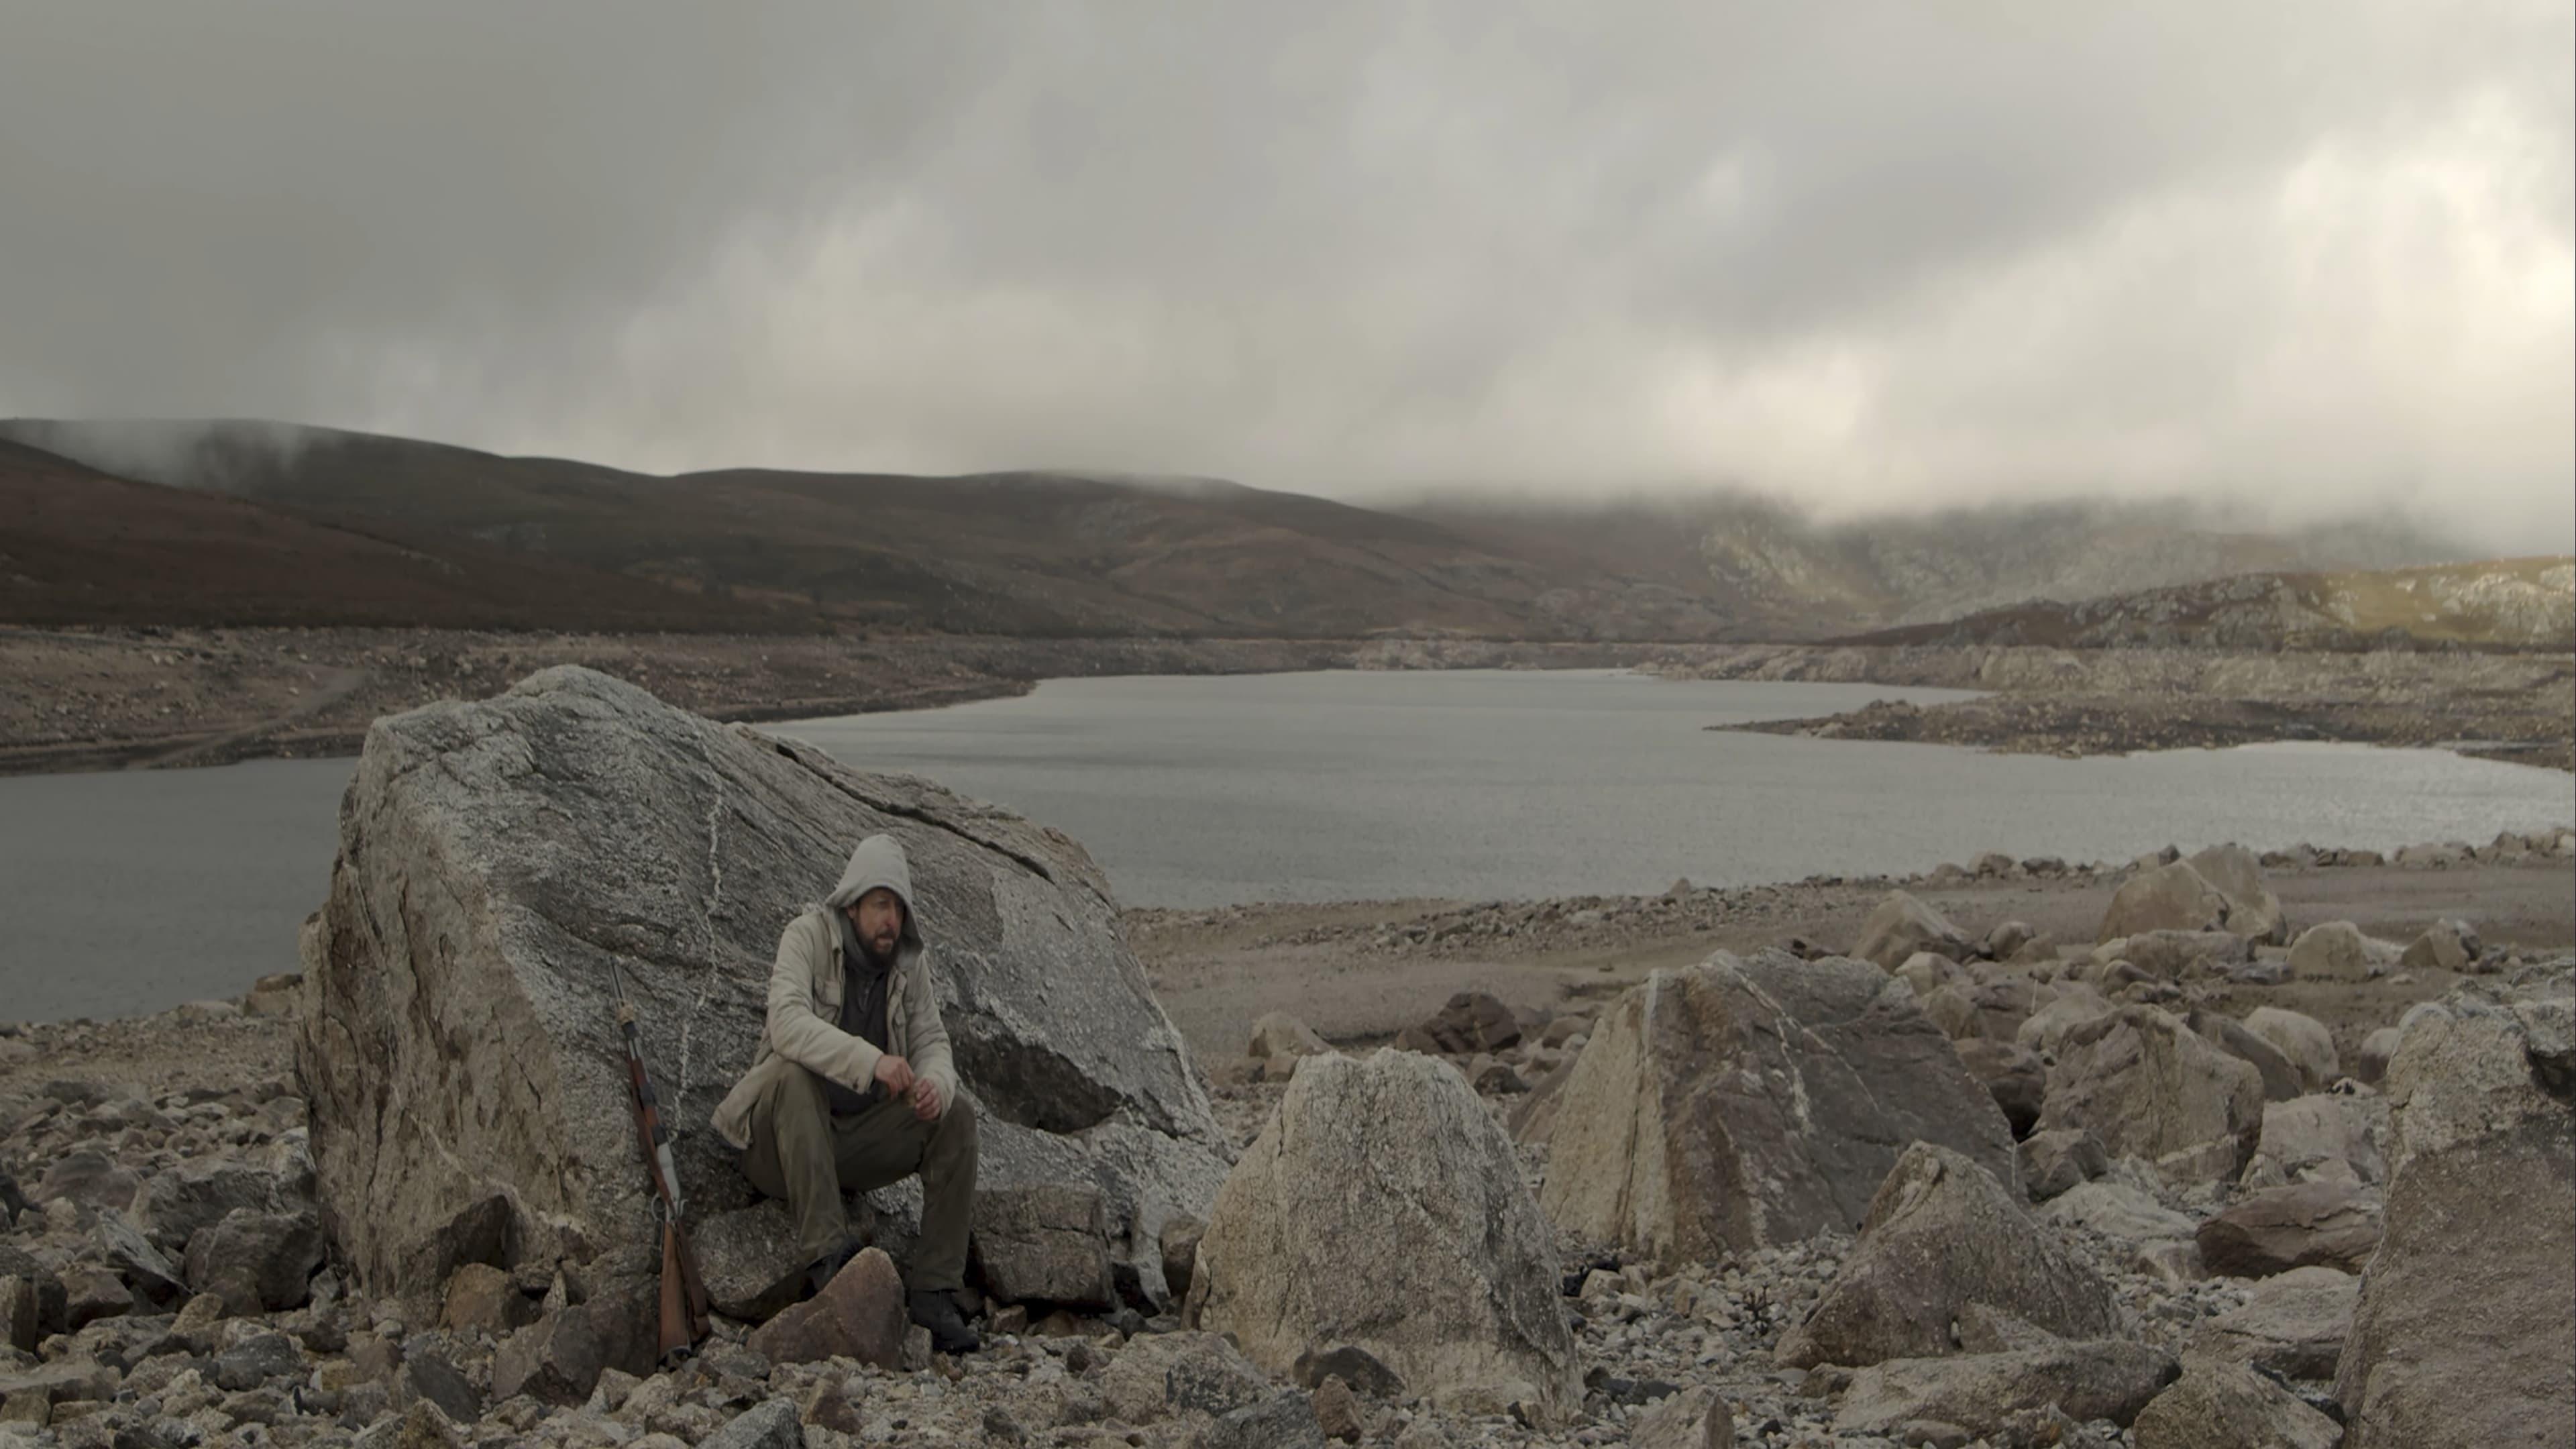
(125, 893)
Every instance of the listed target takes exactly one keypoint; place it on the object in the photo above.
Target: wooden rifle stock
(684, 1318)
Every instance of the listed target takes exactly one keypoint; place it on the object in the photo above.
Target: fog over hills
(1065, 554)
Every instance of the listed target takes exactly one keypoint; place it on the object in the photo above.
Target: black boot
(824, 1269)
(936, 1310)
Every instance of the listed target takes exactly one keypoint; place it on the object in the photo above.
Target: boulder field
(1957, 1183)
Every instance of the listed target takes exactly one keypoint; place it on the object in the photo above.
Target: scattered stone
(140, 1264)
(1942, 1233)
(2172, 897)
(2448, 945)
(1177, 1372)
(1692, 1419)
(2230, 1406)
(1337, 1411)
(1737, 1104)
(90, 1294)
(860, 1314)
(555, 1360)
(1278, 1034)
(1282, 1420)
(256, 1360)
(1900, 926)
(482, 1297)
(2104, 1379)
(1384, 1184)
(1357, 1367)
(771, 1424)
(2143, 1083)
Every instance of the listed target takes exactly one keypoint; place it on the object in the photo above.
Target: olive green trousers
(805, 1153)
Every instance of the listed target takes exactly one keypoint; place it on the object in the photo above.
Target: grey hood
(879, 861)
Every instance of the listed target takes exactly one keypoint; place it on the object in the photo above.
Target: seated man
(853, 1086)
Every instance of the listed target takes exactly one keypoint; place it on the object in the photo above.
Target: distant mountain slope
(2520, 604)
(1038, 554)
(78, 546)
(1781, 576)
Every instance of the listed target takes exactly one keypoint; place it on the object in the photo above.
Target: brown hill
(2510, 604)
(78, 546)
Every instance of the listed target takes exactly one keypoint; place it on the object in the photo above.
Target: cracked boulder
(1739, 1104)
(461, 1055)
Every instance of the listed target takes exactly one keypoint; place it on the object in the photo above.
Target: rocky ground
(164, 1279)
(2519, 707)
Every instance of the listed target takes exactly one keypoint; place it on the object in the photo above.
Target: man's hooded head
(885, 920)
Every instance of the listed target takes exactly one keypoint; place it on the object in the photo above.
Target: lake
(127, 892)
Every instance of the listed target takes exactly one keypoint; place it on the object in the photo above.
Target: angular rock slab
(1383, 1208)
(467, 1087)
(2298, 1225)
(1739, 1104)
(2229, 1405)
(1900, 926)
(2147, 1086)
(1943, 1234)
(2100, 1379)
(2253, 911)
(2467, 1310)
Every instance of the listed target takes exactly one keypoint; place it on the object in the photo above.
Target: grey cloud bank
(2307, 260)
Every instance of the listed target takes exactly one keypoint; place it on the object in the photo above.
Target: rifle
(684, 1296)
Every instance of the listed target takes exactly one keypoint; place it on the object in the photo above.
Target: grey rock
(860, 1314)
(1157, 1373)
(1900, 926)
(2338, 951)
(1043, 1244)
(1283, 1420)
(2370, 1064)
(2446, 945)
(555, 1360)
(2055, 1161)
(2172, 897)
(1355, 1366)
(1471, 1022)
(2147, 1086)
(1943, 1233)
(90, 1294)
(496, 856)
(1382, 1207)
(1692, 1419)
(2186, 955)
(139, 1263)
(2012, 1074)
(89, 1178)
(1743, 1103)
(1281, 1034)
(2117, 1210)
(175, 1204)
(2294, 1325)
(256, 1360)
(428, 1375)
(2281, 1080)
(2302, 1224)
(1180, 1244)
(2302, 1040)
(2101, 1379)
(1984, 1328)
(2230, 1406)
(772, 1424)
(2253, 911)
(2326, 1135)
(257, 1262)
(21, 1313)
(747, 1259)
(2466, 1310)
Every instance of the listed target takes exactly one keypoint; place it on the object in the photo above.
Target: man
(853, 1086)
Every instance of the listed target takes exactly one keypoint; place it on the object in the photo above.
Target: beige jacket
(805, 983)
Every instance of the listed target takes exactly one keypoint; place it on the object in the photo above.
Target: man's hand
(925, 1099)
(895, 1073)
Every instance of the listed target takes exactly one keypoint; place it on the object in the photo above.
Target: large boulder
(2253, 912)
(2281, 1080)
(2143, 1083)
(2169, 898)
(2446, 945)
(2074, 1005)
(2302, 1040)
(1743, 1103)
(461, 1057)
(2469, 1305)
(1383, 1208)
(1900, 926)
(1941, 1234)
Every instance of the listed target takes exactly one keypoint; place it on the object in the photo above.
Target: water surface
(127, 892)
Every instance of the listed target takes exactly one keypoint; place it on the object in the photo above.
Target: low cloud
(2305, 261)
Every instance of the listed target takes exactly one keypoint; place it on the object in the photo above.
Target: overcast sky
(2311, 257)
